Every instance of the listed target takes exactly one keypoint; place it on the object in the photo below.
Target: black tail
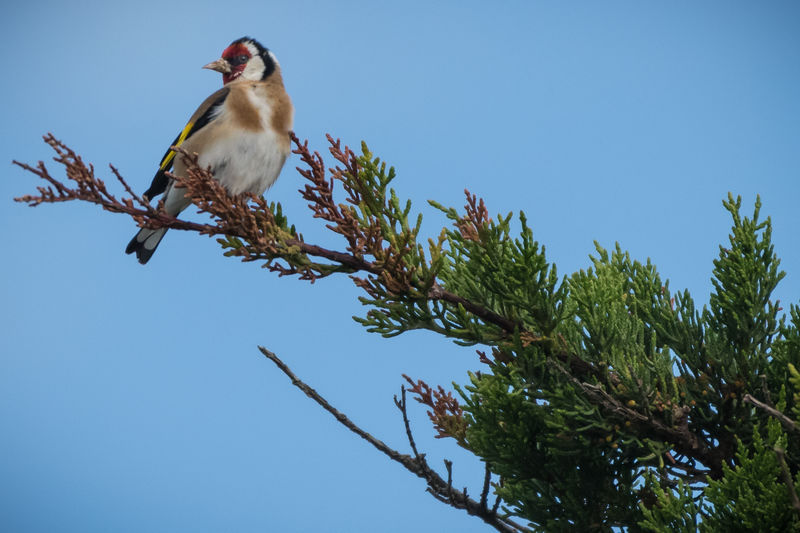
(145, 243)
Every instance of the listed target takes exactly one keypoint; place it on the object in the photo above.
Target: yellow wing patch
(171, 155)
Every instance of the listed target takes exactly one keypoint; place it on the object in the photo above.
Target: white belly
(246, 162)
(241, 159)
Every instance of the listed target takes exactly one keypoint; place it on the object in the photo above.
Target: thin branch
(416, 465)
(448, 465)
(341, 417)
(487, 478)
(401, 404)
(692, 474)
(787, 422)
(496, 504)
(438, 293)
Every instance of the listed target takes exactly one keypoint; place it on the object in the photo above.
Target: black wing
(160, 180)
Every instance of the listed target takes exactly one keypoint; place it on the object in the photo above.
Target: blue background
(134, 399)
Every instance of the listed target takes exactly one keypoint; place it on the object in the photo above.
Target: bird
(241, 131)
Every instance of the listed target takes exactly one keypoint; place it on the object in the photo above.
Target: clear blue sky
(133, 398)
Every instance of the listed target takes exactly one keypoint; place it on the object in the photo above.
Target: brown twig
(437, 486)
(438, 293)
(787, 422)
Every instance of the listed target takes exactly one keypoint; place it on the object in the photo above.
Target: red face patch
(237, 55)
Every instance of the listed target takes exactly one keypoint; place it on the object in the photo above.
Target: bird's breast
(242, 145)
(244, 110)
(245, 161)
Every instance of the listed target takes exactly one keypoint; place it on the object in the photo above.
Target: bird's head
(244, 59)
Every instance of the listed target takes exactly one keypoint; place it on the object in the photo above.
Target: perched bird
(241, 132)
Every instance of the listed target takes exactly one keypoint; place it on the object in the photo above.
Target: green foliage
(508, 276)
(609, 401)
(605, 401)
(742, 317)
(562, 466)
(751, 497)
(676, 510)
(794, 378)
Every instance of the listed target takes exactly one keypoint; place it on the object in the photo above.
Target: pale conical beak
(220, 65)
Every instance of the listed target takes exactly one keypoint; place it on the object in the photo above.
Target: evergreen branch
(613, 331)
(436, 292)
(787, 422)
(249, 218)
(787, 479)
(437, 486)
(680, 437)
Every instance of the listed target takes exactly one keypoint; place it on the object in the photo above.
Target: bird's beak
(220, 65)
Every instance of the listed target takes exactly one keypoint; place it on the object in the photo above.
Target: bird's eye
(238, 60)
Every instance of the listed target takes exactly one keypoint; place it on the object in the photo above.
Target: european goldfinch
(241, 132)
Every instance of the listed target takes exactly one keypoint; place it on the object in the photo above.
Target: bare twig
(401, 404)
(496, 504)
(692, 474)
(487, 478)
(441, 489)
(787, 422)
(448, 465)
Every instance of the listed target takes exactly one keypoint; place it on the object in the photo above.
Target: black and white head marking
(262, 62)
